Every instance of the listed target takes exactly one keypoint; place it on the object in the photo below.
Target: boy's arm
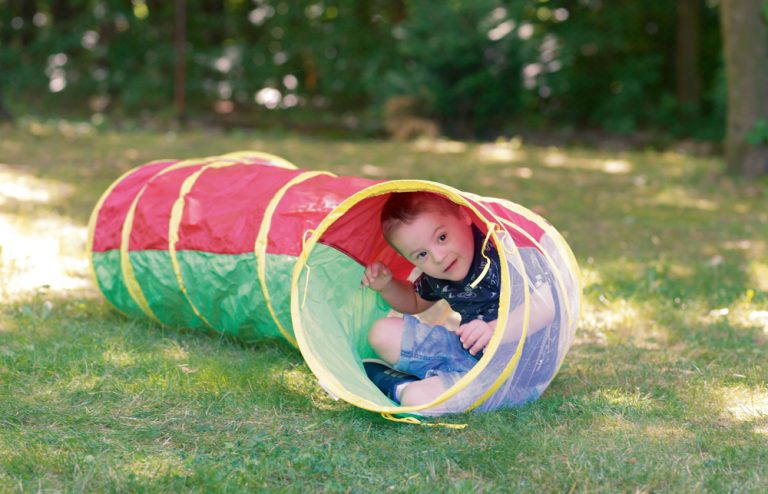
(399, 294)
(476, 334)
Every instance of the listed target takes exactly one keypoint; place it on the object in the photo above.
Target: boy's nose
(440, 255)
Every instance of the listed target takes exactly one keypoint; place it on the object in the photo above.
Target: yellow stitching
(262, 239)
(306, 286)
(126, 267)
(487, 260)
(415, 421)
(309, 269)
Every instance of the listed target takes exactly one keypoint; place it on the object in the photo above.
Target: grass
(664, 389)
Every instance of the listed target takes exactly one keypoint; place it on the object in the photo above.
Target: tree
(5, 115)
(688, 75)
(745, 50)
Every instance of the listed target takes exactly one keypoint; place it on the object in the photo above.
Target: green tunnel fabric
(106, 268)
(249, 245)
(154, 273)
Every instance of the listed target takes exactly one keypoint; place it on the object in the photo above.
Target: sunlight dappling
(42, 251)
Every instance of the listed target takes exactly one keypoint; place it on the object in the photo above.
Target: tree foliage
(481, 67)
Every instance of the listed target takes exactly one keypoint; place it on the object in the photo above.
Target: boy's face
(439, 243)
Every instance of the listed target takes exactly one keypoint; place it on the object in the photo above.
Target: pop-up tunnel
(248, 245)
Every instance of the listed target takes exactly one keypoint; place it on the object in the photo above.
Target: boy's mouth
(450, 266)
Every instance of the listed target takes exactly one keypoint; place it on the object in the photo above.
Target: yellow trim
(274, 160)
(260, 247)
(93, 219)
(547, 227)
(415, 421)
(561, 285)
(129, 277)
(487, 266)
(318, 368)
(177, 212)
(562, 245)
(134, 288)
(552, 263)
(512, 364)
(504, 295)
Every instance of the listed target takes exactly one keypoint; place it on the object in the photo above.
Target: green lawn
(663, 390)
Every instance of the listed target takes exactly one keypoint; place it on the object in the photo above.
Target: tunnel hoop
(129, 276)
(328, 379)
(177, 211)
(260, 246)
(94, 218)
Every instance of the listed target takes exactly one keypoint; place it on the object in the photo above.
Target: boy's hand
(475, 335)
(377, 276)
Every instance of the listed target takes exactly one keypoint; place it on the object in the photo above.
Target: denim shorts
(428, 351)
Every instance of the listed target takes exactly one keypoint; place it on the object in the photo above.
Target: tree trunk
(687, 73)
(180, 72)
(5, 115)
(745, 49)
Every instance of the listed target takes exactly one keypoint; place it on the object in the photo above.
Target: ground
(664, 388)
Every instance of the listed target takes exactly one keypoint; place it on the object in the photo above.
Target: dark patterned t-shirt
(481, 302)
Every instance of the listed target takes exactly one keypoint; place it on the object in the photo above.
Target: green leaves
(759, 132)
(481, 66)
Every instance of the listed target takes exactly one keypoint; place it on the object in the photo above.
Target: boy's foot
(387, 379)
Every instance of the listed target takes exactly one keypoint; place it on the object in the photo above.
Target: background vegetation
(480, 68)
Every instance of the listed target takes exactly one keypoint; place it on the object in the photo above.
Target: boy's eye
(421, 255)
(442, 237)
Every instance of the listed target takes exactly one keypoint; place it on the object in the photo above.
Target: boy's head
(431, 231)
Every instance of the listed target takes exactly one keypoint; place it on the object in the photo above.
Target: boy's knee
(385, 337)
(381, 332)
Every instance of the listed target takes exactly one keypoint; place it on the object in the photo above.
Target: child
(438, 237)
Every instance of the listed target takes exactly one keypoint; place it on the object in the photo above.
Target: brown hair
(403, 207)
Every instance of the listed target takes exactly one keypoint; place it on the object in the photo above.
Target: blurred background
(621, 72)
(616, 120)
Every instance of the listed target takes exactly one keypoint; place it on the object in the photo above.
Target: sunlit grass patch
(743, 403)
(118, 358)
(38, 248)
(175, 352)
(624, 402)
(150, 466)
(608, 315)
(680, 197)
(20, 186)
(440, 146)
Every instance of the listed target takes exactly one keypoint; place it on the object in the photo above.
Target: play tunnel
(248, 245)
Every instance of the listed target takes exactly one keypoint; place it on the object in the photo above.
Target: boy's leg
(421, 392)
(386, 338)
(391, 382)
(431, 353)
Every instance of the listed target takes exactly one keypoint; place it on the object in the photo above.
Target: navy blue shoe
(386, 378)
